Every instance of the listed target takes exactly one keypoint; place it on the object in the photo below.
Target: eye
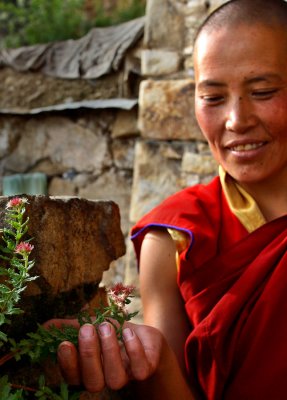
(212, 99)
(264, 94)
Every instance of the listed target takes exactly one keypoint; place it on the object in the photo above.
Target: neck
(270, 197)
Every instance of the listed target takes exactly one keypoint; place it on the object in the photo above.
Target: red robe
(234, 286)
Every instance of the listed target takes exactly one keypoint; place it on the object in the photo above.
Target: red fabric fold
(234, 286)
(238, 347)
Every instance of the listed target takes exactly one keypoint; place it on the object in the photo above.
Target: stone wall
(84, 153)
(171, 152)
(135, 157)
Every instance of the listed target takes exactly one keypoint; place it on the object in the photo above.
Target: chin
(247, 177)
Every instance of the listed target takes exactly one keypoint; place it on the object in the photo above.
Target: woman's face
(241, 100)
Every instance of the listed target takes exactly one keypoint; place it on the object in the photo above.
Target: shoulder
(187, 211)
(200, 193)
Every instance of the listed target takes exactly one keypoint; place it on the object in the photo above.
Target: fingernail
(87, 331)
(65, 351)
(128, 334)
(105, 329)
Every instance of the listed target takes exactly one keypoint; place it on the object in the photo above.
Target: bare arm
(164, 310)
(162, 304)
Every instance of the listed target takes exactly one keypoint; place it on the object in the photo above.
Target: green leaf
(3, 337)
(4, 289)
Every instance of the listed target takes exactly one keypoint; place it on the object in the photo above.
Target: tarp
(99, 52)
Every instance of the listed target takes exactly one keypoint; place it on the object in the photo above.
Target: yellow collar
(241, 203)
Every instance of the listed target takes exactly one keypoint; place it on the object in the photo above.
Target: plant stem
(7, 357)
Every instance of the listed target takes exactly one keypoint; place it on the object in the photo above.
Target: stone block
(125, 124)
(199, 164)
(156, 174)
(66, 144)
(123, 153)
(113, 185)
(167, 110)
(164, 26)
(62, 187)
(159, 62)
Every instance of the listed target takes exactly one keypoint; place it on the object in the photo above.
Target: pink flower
(16, 202)
(24, 248)
(119, 289)
(119, 295)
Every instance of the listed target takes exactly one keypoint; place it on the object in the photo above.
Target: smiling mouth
(247, 147)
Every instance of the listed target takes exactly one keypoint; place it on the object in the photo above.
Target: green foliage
(15, 270)
(43, 21)
(122, 14)
(45, 393)
(6, 392)
(45, 342)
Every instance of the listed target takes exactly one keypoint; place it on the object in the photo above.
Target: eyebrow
(210, 82)
(265, 77)
(255, 79)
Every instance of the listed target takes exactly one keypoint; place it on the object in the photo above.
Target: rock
(75, 241)
(113, 185)
(167, 110)
(164, 26)
(33, 89)
(123, 152)
(125, 124)
(66, 144)
(159, 62)
(62, 187)
(199, 164)
(156, 174)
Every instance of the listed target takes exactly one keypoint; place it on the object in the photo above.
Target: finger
(68, 362)
(115, 374)
(152, 341)
(90, 359)
(139, 364)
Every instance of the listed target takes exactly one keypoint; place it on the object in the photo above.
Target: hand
(102, 361)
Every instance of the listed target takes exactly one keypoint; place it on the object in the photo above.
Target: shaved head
(271, 13)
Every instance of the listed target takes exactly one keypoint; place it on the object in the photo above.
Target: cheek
(274, 116)
(208, 121)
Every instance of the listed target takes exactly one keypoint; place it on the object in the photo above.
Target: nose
(240, 116)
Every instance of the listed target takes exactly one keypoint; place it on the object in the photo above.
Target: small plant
(118, 297)
(15, 254)
(14, 276)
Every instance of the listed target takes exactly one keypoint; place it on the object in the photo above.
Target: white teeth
(245, 147)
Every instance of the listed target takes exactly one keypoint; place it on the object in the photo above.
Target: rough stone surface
(62, 187)
(66, 144)
(33, 89)
(167, 110)
(75, 241)
(169, 33)
(160, 62)
(126, 124)
(198, 164)
(156, 175)
(112, 185)
(123, 153)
